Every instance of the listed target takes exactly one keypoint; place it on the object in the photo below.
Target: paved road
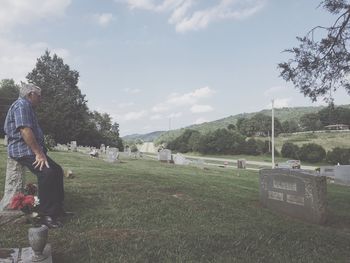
(148, 147)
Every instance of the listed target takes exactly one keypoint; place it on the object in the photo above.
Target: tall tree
(8, 94)
(321, 62)
(310, 122)
(63, 112)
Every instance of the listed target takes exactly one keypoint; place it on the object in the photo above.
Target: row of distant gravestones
(294, 192)
(110, 154)
(165, 155)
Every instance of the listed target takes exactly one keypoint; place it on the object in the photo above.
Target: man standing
(26, 145)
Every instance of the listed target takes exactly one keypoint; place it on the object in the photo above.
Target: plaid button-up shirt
(21, 114)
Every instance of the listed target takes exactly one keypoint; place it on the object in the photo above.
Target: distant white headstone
(180, 159)
(73, 146)
(112, 154)
(5, 140)
(164, 155)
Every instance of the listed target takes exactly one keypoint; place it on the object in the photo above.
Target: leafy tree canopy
(8, 94)
(321, 62)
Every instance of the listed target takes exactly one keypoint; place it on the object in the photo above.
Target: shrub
(312, 153)
(290, 150)
(338, 155)
(49, 142)
(251, 147)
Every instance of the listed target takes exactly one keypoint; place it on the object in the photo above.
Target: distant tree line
(239, 138)
(63, 113)
(314, 153)
(220, 141)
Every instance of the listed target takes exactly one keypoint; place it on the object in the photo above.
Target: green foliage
(186, 142)
(133, 148)
(290, 126)
(290, 150)
(282, 114)
(312, 153)
(334, 115)
(338, 155)
(320, 64)
(310, 122)
(8, 94)
(259, 124)
(251, 147)
(49, 142)
(63, 112)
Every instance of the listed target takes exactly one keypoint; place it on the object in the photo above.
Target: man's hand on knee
(40, 161)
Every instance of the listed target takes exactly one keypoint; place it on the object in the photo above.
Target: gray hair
(25, 89)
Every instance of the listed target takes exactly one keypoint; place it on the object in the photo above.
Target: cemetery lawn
(147, 211)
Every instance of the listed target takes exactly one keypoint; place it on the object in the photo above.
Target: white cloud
(132, 91)
(133, 115)
(187, 15)
(271, 92)
(124, 104)
(201, 108)
(15, 12)
(156, 117)
(279, 103)
(200, 120)
(160, 108)
(175, 100)
(103, 19)
(175, 115)
(191, 97)
(18, 59)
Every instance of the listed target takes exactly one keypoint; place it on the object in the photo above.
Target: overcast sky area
(155, 64)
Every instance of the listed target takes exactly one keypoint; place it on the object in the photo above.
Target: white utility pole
(273, 136)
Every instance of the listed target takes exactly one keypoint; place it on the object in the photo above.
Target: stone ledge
(24, 255)
(12, 217)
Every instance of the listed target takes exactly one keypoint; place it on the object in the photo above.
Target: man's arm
(29, 138)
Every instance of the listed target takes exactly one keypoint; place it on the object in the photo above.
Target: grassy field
(328, 140)
(146, 211)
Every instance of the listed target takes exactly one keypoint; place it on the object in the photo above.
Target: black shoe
(50, 222)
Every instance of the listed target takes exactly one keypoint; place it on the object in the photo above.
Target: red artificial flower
(17, 201)
(28, 201)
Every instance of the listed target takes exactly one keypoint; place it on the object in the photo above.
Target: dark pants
(50, 185)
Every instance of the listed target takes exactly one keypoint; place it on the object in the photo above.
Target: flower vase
(37, 240)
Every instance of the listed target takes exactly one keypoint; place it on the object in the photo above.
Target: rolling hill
(292, 113)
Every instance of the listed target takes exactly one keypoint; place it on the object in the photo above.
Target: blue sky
(152, 64)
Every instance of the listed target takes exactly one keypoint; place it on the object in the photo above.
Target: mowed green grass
(147, 211)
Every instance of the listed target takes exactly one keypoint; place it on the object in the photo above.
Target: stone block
(342, 174)
(297, 193)
(328, 171)
(241, 163)
(164, 155)
(14, 182)
(23, 255)
(12, 217)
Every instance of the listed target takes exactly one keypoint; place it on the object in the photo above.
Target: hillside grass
(328, 140)
(147, 211)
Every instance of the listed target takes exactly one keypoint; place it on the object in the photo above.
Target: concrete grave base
(297, 193)
(12, 217)
(24, 255)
